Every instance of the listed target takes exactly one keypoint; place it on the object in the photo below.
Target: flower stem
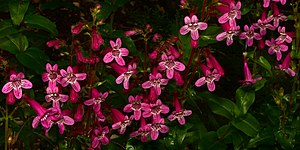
(6, 127)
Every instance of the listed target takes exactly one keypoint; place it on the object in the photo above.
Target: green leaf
(19, 40)
(41, 22)
(211, 142)
(106, 10)
(284, 141)
(247, 124)
(7, 45)
(17, 9)
(262, 61)
(265, 136)
(6, 28)
(218, 105)
(244, 99)
(34, 59)
(259, 84)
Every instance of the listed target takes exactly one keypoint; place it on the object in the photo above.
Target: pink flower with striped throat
(169, 64)
(116, 53)
(15, 84)
(69, 77)
(192, 25)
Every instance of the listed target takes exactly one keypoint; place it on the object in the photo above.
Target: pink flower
(276, 47)
(276, 16)
(54, 43)
(69, 77)
(124, 77)
(249, 34)
(143, 131)
(234, 13)
(178, 78)
(154, 109)
(283, 36)
(172, 51)
(45, 116)
(267, 2)
(228, 33)
(100, 137)
(63, 120)
(51, 75)
(53, 95)
(96, 39)
(169, 64)
(120, 121)
(135, 105)
(76, 29)
(15, 84)
(262, 24)
(179, 113)
(192, 24)
(285, 66)
(130, 33)
(79, 113)
(116, 53)
(213, 63)
(247, 74)
(157, 126)
(96, 100)
(155, 82)
(209, 78)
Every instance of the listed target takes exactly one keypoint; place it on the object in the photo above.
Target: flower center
(16, 84)
(155, 82)
(54, 96)
(116, 52)
(179, 114)
(156, 109)
(210, 78)
(99, 100)
(232, 14)
(170, 63)
(136, 105)
(125, 123)
(250, 34)
(52, 75)
(156, 126)
(71, 78)
(193, 26)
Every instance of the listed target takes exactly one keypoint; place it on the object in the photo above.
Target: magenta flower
(192, 24)
(96, 100)
(283, 36)
(263, 24)
(267, 2)
(249, 35)
(45, 116)
(178, 78)
(124, 77)
(116, 53)
(63, 120)
(285, 66)
(79, 113)
(135, 105)
(172, 51)
(120, 121)
(276, 47)
(76, 29)
(154, 109)
(228, 33)
(51, 75)
(54, 43)
(15, 84)
(100, 137)
(143, 131)
(209, 78)
(69, 77)
(169, 64)
(179, 113)
(213, 63)
(157, 126)
(53, 95)
(247, 74)
(96, 39)
(155, 82)
(276, 16)
(234, 13)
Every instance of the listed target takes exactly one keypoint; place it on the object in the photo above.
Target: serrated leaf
(17, 9)
(219, 105)
(41, 22)
(247, 124)
(244, 99)
(33, 58)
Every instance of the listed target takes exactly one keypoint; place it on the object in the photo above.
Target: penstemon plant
(222, 74)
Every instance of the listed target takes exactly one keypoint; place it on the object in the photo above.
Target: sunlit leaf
(244, 99)
(41, 22)
(247, 124)
(17, 9)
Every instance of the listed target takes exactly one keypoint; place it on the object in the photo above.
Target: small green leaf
(7, 45)
(17, 9)
(259, 84)
(265, 136)
(262, 61)
(19, 40)
(33, 58)
(247, 124)
(244, 99)
(41, 22)
(105, 12)
(219, 105)
(284, 141)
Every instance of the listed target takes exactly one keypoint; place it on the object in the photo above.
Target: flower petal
(194, 34)
(184, 30)
(120, 61)
(18, 93)
(154, 135)
(108, 58)
(200, 82)
(68, 120)
(7, 88)
(26, 84)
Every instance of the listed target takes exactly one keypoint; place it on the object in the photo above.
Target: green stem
(6, 127)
